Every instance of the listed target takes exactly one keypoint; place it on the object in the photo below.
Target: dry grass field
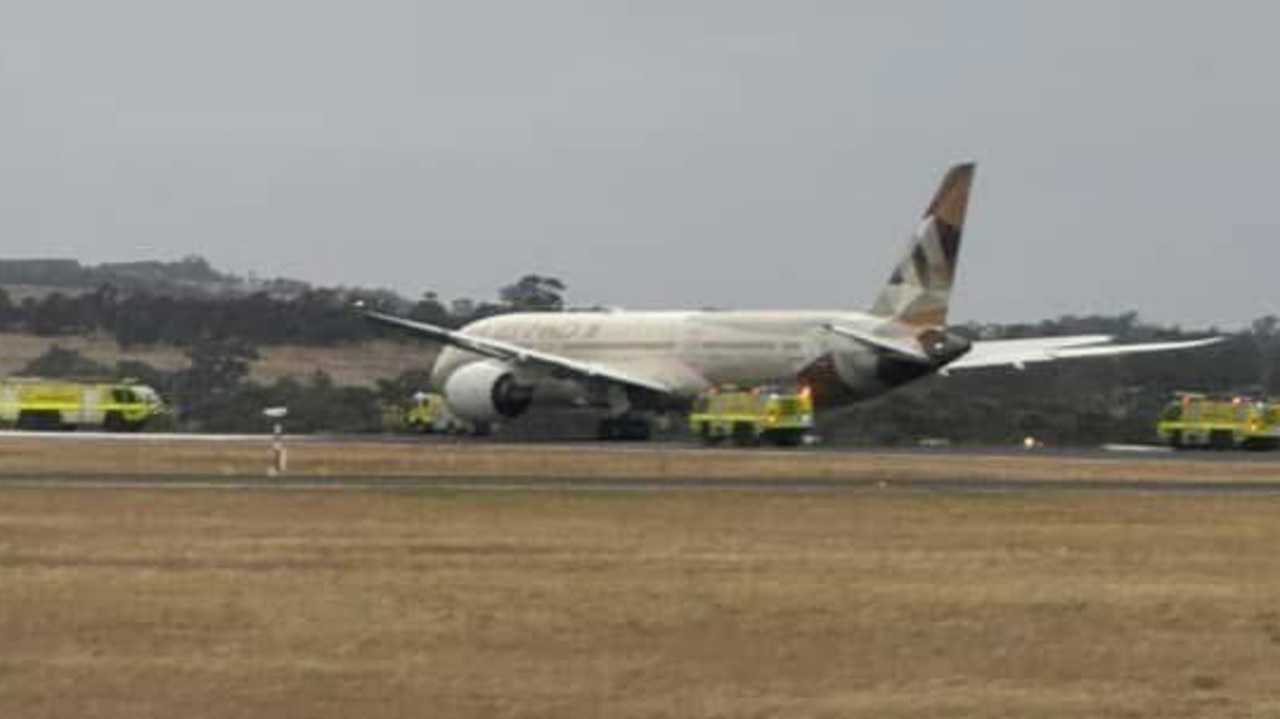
(332, 603)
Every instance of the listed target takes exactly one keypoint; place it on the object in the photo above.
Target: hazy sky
(658, 154)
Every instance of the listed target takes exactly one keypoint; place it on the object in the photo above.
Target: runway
(1128, 451)
(433, 464)
(639, 485)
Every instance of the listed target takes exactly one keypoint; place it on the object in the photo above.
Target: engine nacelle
(485, 391)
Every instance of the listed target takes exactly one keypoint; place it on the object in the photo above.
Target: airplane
(638, 365)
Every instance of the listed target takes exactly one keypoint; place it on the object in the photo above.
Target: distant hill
(190, 276)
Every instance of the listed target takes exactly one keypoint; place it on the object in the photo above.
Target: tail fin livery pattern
(919, 289)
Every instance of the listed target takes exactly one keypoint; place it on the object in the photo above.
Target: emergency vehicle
(749, 417)
(430, 414)
(48, 404)
(1197, 421)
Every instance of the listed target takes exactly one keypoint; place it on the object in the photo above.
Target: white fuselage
(690, 351)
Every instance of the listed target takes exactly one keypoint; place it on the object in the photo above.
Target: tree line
(312, 317)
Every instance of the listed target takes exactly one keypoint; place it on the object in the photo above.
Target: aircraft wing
(519, 355)
(1021, 352)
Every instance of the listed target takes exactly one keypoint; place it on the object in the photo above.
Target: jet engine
(485, 391)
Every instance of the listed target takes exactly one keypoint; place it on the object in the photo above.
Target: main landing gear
(626, 427)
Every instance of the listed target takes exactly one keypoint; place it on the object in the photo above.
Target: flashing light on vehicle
(1221, 422)
(748, 417)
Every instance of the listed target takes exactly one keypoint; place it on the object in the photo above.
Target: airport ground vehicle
(749, 417)
(49, 404)
(1197, 421)
(430, 414)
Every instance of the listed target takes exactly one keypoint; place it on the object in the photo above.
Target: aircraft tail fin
(919, 290)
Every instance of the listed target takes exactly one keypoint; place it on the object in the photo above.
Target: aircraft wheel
(709, 437)
(744, 435)
(1264, 444)
(1220, 440)
(624, 428)
(642, 430)
(40, 420)
(785, 437)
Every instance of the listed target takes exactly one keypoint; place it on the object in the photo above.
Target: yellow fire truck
(1196, 421)
(47, 404)
(430, 414)
(749, 417)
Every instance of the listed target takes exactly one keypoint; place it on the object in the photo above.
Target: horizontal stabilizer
(1021, 352)
(907, 347)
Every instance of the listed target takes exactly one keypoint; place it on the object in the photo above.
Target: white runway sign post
(279, 455)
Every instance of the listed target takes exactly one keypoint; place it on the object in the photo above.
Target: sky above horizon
(690, 153)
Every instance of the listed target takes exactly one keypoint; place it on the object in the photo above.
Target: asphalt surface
(791, 485)
(1132, 451)
(640, 485)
